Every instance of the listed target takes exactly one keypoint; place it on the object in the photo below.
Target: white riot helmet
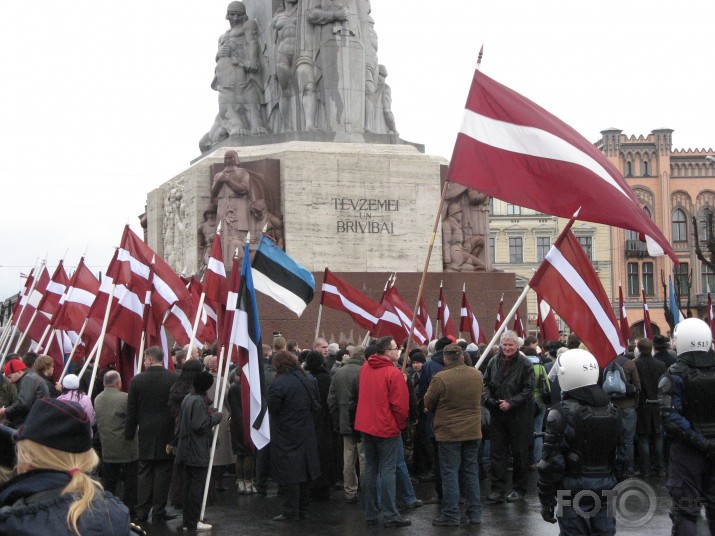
(692, 335)
(575, 368)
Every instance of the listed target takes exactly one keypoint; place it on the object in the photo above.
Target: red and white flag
(22, 298)
(500, 314)
(647, 328)
(207, 323)
(566, 279)
(468, 322)
(393, 298)
(75, 304)
(548, 327)
(56, 288)
(423, 316)
(215, 286)
(30, 321)
(625, 328)
(338, 294)
(518, 326)
(444, 317)
(510, 148)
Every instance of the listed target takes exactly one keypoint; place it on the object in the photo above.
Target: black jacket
(148, 408)
(515, 384)
(195, 424)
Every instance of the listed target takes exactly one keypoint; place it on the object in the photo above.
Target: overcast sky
(104, 101)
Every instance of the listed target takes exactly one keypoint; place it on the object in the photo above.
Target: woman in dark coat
(294, 450)
(320, 489)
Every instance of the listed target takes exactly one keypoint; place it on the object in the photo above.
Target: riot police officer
(686, 393)
(583, 433)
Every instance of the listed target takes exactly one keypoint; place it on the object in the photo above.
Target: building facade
(672, 186)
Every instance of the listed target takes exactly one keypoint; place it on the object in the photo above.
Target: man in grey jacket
(342, 399)
(119, 455)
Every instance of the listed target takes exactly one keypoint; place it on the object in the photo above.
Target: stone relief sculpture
(238, 80)
(242, 202)
(207, 232)
(317, 73)
(174, 227)
(465, 228)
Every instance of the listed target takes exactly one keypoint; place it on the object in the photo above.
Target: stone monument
(305, 146)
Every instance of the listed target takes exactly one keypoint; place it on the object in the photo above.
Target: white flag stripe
(231, 301)
(216, 267)
(186, 324)
(135, 265)
(530, 141)
(129, 300)
(350, 306)
(406, 322)
(56, 288)
(574, 279)
(264, 284)
(260, 437)
(475, 329)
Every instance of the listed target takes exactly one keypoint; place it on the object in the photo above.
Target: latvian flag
(280, 277)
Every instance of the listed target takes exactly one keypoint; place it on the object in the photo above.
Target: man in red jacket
(382, 409)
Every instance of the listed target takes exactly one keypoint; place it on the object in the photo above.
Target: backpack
(615, 384)
(543, 387)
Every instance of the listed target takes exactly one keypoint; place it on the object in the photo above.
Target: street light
(710, 158)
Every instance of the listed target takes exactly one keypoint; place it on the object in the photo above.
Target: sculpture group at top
(319, 72)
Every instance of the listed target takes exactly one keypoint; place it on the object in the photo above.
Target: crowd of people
(370, 421)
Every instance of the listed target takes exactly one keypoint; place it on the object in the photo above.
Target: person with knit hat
(53, 492)
(196, 421)
(30, 388)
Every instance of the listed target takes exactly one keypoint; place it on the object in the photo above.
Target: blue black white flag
(246, 334)
(280, 277)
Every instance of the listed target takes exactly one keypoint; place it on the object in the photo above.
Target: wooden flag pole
(199, 309)
(424, 274)
(87, 361)
(213, 444)
(101, 340)
(503, 325)
(24, 333)
(37, 273)
(320, 309)
(44, 336)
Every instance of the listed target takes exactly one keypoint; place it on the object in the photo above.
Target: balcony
(636, 248)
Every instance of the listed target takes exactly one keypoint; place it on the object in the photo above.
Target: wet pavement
(643, 508)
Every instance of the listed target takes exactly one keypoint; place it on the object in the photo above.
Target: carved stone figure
(238, 80)
(473, 208)
(384, 120)
(232, 193)
(262, 218)
(207, 232)
(454, 253)
(174, 227)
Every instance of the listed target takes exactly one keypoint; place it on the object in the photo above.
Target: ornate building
(673, 186)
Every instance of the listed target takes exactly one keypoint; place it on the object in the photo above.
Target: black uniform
(583, 433)
(687, 405)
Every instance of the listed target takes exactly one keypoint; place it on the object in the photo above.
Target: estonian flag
(246, 334)
(280, 277)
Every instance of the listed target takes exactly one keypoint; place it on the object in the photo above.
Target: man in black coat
(148, 409)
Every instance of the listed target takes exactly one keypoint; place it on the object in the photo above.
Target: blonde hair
(83, 489)
(43, 364)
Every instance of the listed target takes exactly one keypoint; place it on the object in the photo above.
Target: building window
(493, 249)
(679, 226)
(647, 281)
(633, 286)
(543, 245)
(629, 172)
(708, 278)
(586, 243)
(644, 168)
(680, 277)
(516, 250)
(513, 210)
(705, 230)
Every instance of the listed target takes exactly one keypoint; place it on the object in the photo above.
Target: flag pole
(100, 342)
(87, 361)
(213, 445)
(199, 308)
(44, 336)
(503, 325)
(424, 272)
(24, 333)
